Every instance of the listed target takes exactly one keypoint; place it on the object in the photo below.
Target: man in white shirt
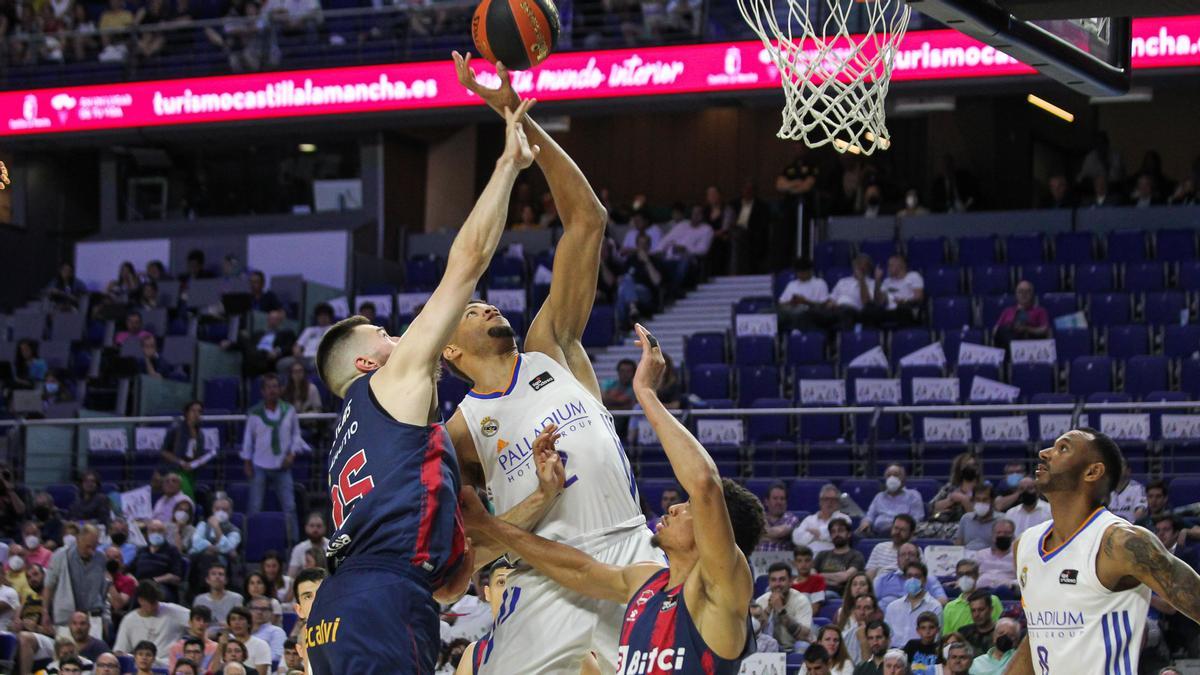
(640, 223)
(263, 629)
(269, 447)
(295, 16)
(306, 345)
(684, 247)
(314, 531)
(853, 295)
(1129, 499)
(785, 614)
(900, 295)
(1029, 510)
(164, 508)
(902, 613)
(885, 555)
(800, 296)
(161, 623)
(257, 650)
(813, 531)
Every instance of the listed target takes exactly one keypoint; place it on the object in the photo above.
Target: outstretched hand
(516, 146)
(551, 473)
(498, 99)
(652, 365)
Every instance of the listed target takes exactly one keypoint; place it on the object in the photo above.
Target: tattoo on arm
(1168, 576)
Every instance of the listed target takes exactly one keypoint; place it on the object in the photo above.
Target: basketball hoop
(834, 83)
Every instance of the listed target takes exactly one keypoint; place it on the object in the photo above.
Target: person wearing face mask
(123, 586)
(891, 585)
(181, 530)
(975, 527)
(996, 562)
(957, 497)
(895, 500)
(957, 613)
(35, 552)
(904, 613)
(172, 496)
(10, 601)
(912, 205)
(215, 542)
(14, 573)
(159, 561)
(118, 534)
(996, 659)
(45, 514)
(1031, 510)
(1008, 492)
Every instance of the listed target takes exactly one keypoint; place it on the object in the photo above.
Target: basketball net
(834, 83)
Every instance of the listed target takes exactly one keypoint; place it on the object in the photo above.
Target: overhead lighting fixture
(307, 147)
(913, 106)
(1050, 108)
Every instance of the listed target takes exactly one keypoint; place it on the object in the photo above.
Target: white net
(835, 60)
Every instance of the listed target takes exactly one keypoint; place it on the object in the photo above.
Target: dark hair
(1110, 455)
(779, 567)
(309, 575)
(259, 274)
(983, 488)
(148, 590)
(197, 255)
(816, 654)
(843, 523)
(201, 612)
(872, 625)
(912, 524)
(802, 550)
(745, 515)
(146, 646)
(777, 485)
(271, 376)
(289, 644)
(366, 305)
(804, 265)
(927, 617)
(132, 312)
(920, 568)
(323, 308)
(188, 406)
(277, 583)
(190, 641)
(336, 334)
(1159, 484)
(626, 362)
(240, 611)
(1176, 522)
(71, 661)
(978, 595)
(185, 662)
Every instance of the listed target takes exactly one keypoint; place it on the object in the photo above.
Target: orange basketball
(518, 33)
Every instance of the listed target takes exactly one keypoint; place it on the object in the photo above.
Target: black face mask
(969, 473)
(41, 512)
(1029, 498)
(119, 538)
(1004, 543)
(112, 566)
(1004, 643)
(872, 201)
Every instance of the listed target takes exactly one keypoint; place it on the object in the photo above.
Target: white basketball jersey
(600, 490)
(1077, 626)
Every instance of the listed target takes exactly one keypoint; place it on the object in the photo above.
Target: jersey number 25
(345, 492)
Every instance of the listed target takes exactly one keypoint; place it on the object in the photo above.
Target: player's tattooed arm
(1022, 663)
(1136, 552)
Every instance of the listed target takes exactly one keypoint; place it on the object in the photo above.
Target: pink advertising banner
(1170, 42)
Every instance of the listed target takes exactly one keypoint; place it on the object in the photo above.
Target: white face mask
(68, 540)
(982, 509)
(32, 542)
(910, 201)
(182, 517)
(966, 584)
(16, 563)
(893, 484)
(222, 516)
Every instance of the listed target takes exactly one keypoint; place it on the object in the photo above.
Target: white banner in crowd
(136, 504)
(108, 440)
(1126, 426)
(760, 561)
(947, 430)
(341, 307)
(989, 390)
(1050, 427)
(149, 439)
(720, 432)
(645, 432)
(943, 560)
(757, 324)
(774, 663)
(930, 355)
(507, 299)
(1014, 428)
(1175, 426)
(212, 437)
(823, 392)
(971, 354)
(872, 358)
(1033, 351)
(877, 391)
(383, 303)
(407, 303)
(935, 389)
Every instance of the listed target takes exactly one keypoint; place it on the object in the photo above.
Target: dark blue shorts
(370, 620)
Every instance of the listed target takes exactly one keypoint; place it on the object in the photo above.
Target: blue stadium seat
(759, 487)
(1189, 376)
(769, 428)
(997, 455)
(991, 307)
(1108, 397)
(813, 371)
(1126, 246)
(831, 275)
(951, 313)
(1180, 342)
(804, 494)
(966, 375)
(1106, 309)
(222, 393)
(818, 428)
(755, 304)
(1045, 277)
(1094, 278)
(1189, 275)
(942, 280)
(863, 490)
(506, 271)
(828, 460)
(1025, 248)
(780, 281)
(991, 279)
(422, 273)
(806, 347)
(1033, 378)
(776, 458)
(64, 494)
(853, 343)
(1058, 304)
(906, 341)
(923, 252)
(1127, 341)
(951, 339)
(709, 381)
(755, 382)
(1144, 277)
(928, 487)
(1180, 457)
(601, 327)
(1162, 308)
(1072, 342)
(1089, 374)
(977, 250)
(831, 253)
(1145, 374)
(754, 350)
(1073, 248)
(937, 457)
(1175, 245)
(704, 348)
(879, 249)
(264, 531)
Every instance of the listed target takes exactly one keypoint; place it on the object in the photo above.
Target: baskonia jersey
(481, 647)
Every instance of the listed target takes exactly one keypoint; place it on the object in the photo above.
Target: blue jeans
(281, 479)
(629, 293)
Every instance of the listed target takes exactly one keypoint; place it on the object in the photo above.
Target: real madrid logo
(488, 427)
(1024, 575)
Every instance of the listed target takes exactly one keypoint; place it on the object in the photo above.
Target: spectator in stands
(194, 267)
(76, 582)
(66, 291)
(1102, 161)
(840, 563)
(851, 296)
(956, 498)
(996, 562)
(854, 630)
(314, 542)
(123, 586)
(872, 205)
(995, 660)
(300, 391)
(1169, 529)
(67, 659)
(786, 615)
(1181, 634)
(1102, 197)
(912, 207)
(1025, 320)
(127, 286)
(292, 659)
(903, 613)
(306, 345)
(780, 522)
(29, 368)
(218, 599)
(618, 392)
(892, 584)
(800, 296)
(195, 645)
(1008, 491)
(262, 300)
(185, 448)
(262, 350)
(958, 658)
(640, 224)
(14, 499)
(368, 310)
(216, 539)
(46, 515)
(160, 562)
(885, 555)
(155, 271)
(1157, 502)
(671, 495)
(185, 667)
(134, 328)
(118, 533)
(899, 296)
(263, 629)
(156, 621)
(954, 189)
(279, 585)
(269, 447)
(813, 531)
(85, 645)
(1128, 500)
(719, 216)
(1031, 509)
(258, 652)
(153, 364)
(91, 504)
(830, 641)
(172, 495)
(957, 612)
(56, 388)
(895, 500)
(145, 657)
(816, 660)
(35, 551)
(749, 230)
(688, 243)
(982, 629)
(670, 389)
(878, 635)
(805, 579)
(924, 651)
(149, 18)
(246, 45)
(1061, 196)
(975, 526)
(294, 17)
(639, 288)
(180, 529)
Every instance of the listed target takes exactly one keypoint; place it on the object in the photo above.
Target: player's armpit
(1130, 551)
(464, 663)
(1022, 663)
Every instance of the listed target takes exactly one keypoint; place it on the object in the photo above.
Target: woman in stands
(184, 449)
(181, 530)
(256, 585)
(279, 583)
(955, 498)
(840, 661)
(301, 392)
(126, 287)
(29, 368)
(859, 584)
(229, 650)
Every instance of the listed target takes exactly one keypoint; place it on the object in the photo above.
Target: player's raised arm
(469, 257)
(1135, 552)
(558, 326)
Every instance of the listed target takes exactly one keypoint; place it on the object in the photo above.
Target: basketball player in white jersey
(514, 396)
(1086, 575)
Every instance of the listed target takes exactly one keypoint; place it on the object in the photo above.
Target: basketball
(518, 33)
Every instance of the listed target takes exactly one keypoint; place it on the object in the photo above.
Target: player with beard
(516, 395)
(1087, 574)
(690, 617)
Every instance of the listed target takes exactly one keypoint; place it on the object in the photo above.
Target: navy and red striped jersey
(658, 635)
(393, 489)
(481, 647)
